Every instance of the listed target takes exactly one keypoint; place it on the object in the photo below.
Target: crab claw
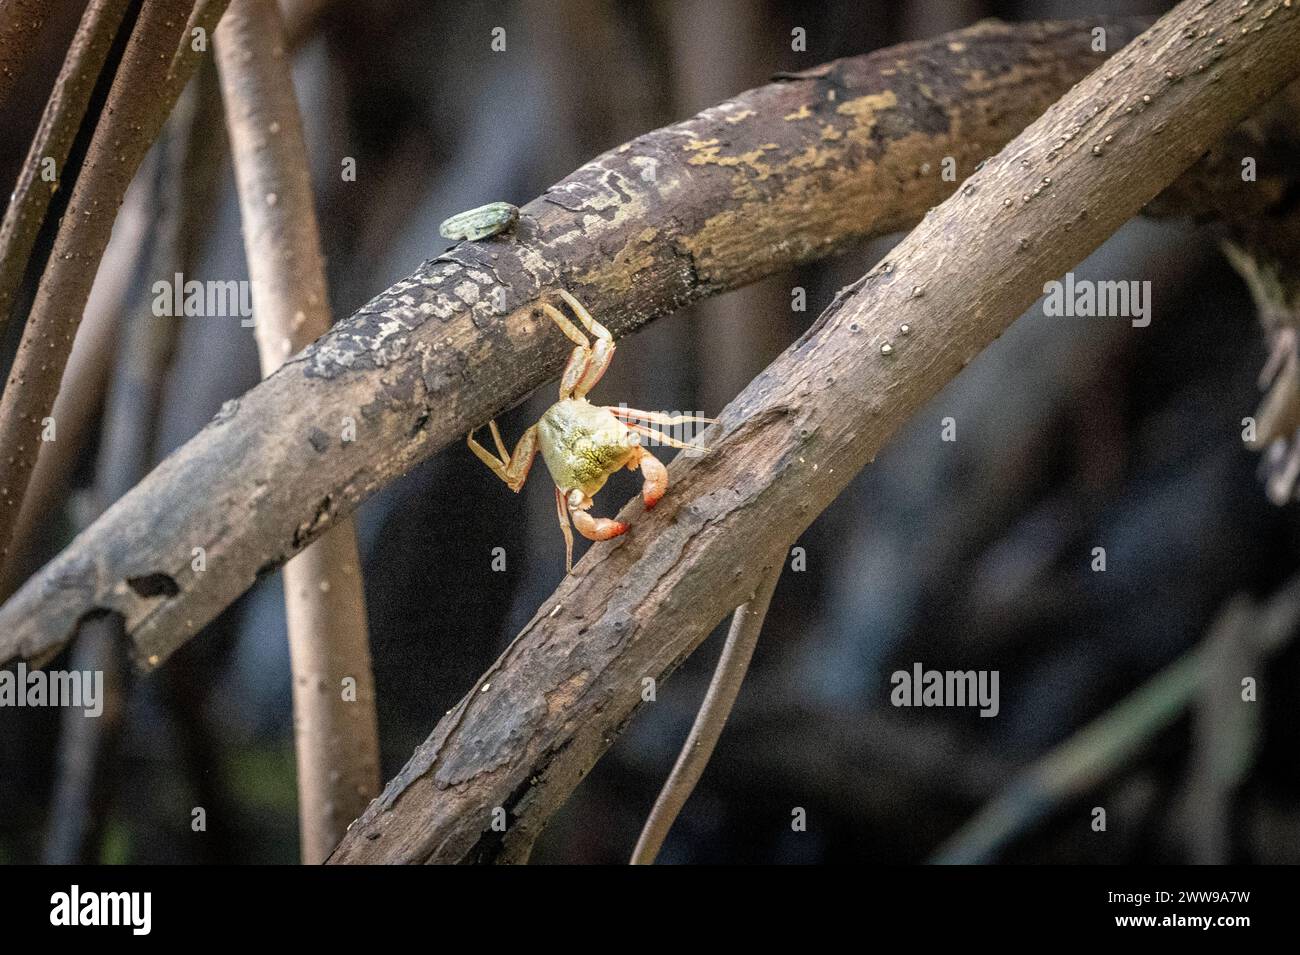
(656, 478)
(597, 528)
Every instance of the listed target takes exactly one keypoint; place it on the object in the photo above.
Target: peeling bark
(543, 714)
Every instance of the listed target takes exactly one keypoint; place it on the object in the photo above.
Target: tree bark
(335, 729)
(778, 176)
(523, 738)
(21, 23)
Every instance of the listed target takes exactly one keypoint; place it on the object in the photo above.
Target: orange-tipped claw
(597, 528)
(656, 479)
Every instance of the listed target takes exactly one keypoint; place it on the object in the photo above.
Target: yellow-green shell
(582, 444)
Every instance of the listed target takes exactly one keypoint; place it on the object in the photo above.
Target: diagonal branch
(780, 175)
(53, 141)
(523, 738)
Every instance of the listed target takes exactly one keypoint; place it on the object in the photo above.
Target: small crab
(583, 444)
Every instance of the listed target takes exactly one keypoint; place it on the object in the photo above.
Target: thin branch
(810, 164)
(159, 59)
(85, 381)
(746, 624)
(127, 444)
(335, 732)
(542, 715)
(157, 232)
(62, 118)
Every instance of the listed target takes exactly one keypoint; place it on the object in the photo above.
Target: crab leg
(562, 512)
(602, 353)
(665, 439)
(514, 468)
(588, 362)
(631, 416)
(496, 439)
(655, 417)
(574, 506)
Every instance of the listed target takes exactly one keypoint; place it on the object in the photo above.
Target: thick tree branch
(159, 59)
(335, 732)
(549, 707)
(780, 175)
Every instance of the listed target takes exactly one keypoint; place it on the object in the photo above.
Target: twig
(746, 624)
(520, 740)
(53, 140)
(669, 218)
(159, 59)
(335, 732)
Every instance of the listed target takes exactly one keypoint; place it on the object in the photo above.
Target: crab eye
(575, 498)
(633, 439)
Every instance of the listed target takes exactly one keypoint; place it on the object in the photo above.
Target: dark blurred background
(1071, 435)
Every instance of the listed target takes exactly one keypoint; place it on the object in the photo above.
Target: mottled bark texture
(780, 175)
(159, 58)
(336, 736)
(523, 738)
